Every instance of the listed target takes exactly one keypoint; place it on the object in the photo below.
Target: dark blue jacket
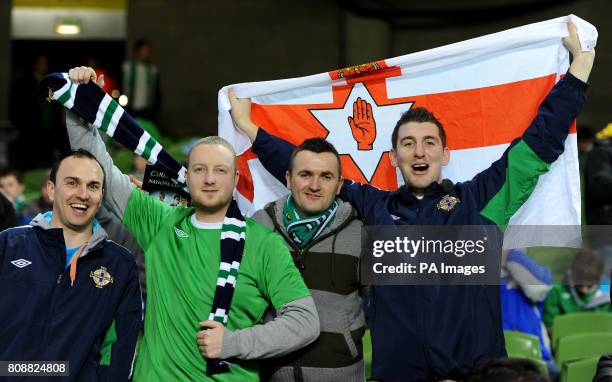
(436, 332)
(92, 324)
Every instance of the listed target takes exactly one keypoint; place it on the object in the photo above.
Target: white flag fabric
(485, 91)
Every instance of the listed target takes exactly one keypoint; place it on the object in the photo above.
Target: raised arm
(582, 62)
(503, 188)
(241, 115)
(274, 153)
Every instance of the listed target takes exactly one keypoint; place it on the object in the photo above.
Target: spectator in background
(580, 289)
(40, 128)
(141, 82)
(40, 205)
(598, 198)
(524, 287)
(8, 217)
(11, 183)
(508, 370)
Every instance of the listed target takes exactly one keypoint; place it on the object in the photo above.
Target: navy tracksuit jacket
(92, 324)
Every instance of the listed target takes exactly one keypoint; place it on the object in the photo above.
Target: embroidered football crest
(101, 277)
(180, 232)
(447, 203)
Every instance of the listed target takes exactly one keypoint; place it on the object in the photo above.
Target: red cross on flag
(485, 91)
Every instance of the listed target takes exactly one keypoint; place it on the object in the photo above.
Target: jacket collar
(43, 221)
(432, 191)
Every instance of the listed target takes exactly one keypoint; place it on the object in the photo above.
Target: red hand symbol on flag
(363, 125)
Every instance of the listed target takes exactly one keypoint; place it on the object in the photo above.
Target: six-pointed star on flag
(336, 122)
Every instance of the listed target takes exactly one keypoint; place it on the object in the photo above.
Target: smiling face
(76, 193)
(419, 154)
(314, 181)
(211, 177)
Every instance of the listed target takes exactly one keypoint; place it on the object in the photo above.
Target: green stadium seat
(522, 345)
(578, 323)
(581, 346)
(367, 353)
(579, 371)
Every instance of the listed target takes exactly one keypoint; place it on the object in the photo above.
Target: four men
(204, 321)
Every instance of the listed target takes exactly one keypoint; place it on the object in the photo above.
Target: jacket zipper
(56, 290)
(297, 369)
(51, 309)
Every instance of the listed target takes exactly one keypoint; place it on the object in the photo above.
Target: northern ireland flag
(485, 91)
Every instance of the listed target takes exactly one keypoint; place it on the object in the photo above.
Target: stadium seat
(367, 353)
(582, 322)
(581, 346)
(579, 371)
(522, 345)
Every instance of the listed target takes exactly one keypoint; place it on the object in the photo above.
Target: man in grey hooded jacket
(324, 238)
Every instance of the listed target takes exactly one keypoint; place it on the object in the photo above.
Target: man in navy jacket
(67, 292)
(442, 332)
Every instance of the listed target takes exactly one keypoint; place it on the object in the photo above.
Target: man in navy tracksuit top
(67, 293)
(443, 332)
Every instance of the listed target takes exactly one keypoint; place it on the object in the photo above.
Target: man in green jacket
(580, 290)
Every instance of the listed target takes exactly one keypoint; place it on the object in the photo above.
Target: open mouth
(420, 168)
(79, 208)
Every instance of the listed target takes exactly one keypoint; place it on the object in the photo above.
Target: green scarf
(302, 230)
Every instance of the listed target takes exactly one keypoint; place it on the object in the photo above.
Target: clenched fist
(210, 340)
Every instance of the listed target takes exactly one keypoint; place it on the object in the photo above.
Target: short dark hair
(79, 153)
(508, 370)
(11, 172)
(587, 267)
(140, 43)
(316, 145)
(417, 114)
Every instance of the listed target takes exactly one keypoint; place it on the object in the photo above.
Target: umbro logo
(180, 233)
(21, 263)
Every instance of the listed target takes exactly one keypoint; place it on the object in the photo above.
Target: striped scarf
(302, 230)
(233, 234)
(90, 102)
(96, 107)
